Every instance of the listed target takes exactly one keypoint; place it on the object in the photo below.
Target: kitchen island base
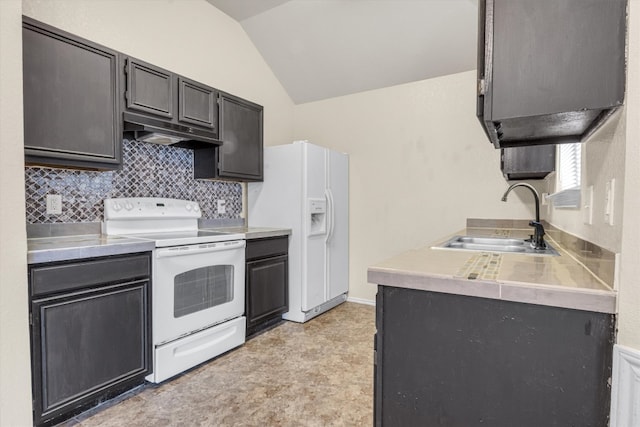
(453, 360)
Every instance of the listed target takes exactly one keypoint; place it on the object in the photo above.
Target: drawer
(261, 248)
(71, 276)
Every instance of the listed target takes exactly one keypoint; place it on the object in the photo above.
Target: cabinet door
(198, 104)
(267, 288)
(71, 102)
(86, 343)
(149, 88)
(240, 155)
(533, 71)
(530, 162)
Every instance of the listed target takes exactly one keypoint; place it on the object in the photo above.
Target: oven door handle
(199, 249)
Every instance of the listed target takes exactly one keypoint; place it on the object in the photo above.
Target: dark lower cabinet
(452, 360)
(90, 332)
(71, 100)
(267, 283)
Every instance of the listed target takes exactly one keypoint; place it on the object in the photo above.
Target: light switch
(54, 204)
(609, 200)
(222, 206)
(587, 206)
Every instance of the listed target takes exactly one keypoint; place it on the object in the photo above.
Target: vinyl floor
(319, 373)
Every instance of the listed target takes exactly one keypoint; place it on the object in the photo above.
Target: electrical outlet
(222, 206)
(54, 204)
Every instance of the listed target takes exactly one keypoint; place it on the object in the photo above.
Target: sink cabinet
(267, 282)
(240, 158)
(452, 360)
(90, 332)
(71, 100)
(549, 72)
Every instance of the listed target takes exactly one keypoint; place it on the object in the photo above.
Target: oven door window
(202, 288)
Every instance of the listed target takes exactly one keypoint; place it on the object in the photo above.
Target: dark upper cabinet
(530, 162)
(71, 100)
(149, 88)
(239, 157)
(161, 94)
(198, 103)
(549, 72)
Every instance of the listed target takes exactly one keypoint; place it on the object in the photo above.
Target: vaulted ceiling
(326, 48)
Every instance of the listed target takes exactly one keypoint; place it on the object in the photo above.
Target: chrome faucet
(537, 238)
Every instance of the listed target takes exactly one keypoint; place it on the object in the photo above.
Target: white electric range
(197, 281)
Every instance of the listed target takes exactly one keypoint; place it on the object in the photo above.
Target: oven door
(195, 287)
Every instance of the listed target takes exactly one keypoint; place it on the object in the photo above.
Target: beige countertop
(66, 248)
(560, 281)
(254, 232)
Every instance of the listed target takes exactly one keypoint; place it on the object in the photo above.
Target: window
(569, 166)
(568, 176)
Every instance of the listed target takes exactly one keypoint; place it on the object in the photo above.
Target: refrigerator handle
(330, 213)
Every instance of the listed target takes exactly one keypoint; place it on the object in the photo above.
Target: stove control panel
(150, 208)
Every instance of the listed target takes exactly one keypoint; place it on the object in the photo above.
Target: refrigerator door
(338, 236)
(313, 253)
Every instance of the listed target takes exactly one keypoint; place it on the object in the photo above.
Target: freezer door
(338, 234)
(313, 258)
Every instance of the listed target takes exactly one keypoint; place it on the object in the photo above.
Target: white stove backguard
(149, 214)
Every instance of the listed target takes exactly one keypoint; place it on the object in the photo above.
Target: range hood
(148, 129)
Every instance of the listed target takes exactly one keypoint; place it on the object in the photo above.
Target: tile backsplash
(148, 170)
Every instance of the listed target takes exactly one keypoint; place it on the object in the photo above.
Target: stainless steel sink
(495, 244)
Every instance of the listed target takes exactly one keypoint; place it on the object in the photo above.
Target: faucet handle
(538, 236)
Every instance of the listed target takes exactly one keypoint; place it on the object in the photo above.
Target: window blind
(569, 166)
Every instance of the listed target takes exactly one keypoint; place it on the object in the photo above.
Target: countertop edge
(81, 252)
(540, 294)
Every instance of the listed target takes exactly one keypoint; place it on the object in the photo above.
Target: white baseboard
(361, 301)
(625, 387)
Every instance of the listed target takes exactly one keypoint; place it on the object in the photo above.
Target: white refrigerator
(306, 189)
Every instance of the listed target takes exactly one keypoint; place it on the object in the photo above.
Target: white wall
(603, 159)
(189, 37)
(15, 385)
(629, 283)
(420, 165)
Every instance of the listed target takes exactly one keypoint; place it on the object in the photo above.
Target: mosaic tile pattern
(149, 170)
(483, 266)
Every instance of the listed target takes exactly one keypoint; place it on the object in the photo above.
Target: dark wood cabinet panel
(149, 88)
(240, 158)
(446, 359)
(530, 162)
(90, 340)
(198, 103)
(267, 282)
(156, 91)
(71, 100)
(551, 72)
(267, 293)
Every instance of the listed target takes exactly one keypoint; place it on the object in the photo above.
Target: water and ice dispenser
(316, 217)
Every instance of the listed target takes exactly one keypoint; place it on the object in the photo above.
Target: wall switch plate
(545, 200)
(54, 204)
(609, 200)
(222, 206)
(587, 206)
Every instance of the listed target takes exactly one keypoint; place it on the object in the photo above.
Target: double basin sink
(495, 244)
